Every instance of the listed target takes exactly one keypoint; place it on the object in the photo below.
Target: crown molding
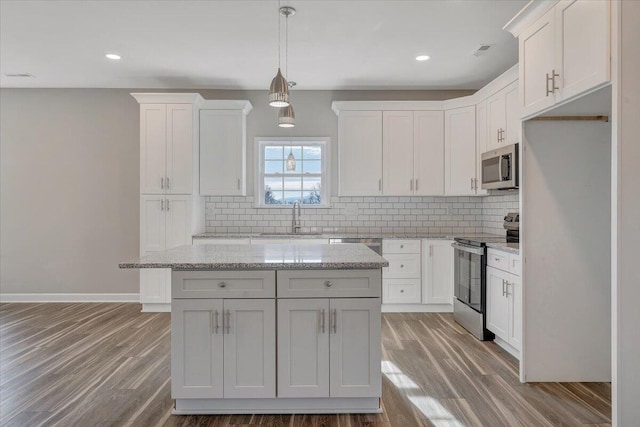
(532, 11)
(167, 98)
(227, 104)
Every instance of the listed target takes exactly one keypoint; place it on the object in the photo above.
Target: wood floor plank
(104, 364)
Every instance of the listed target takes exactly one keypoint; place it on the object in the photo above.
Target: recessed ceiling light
(422, 57)
(113, 56)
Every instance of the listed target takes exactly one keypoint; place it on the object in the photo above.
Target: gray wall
(69, 202)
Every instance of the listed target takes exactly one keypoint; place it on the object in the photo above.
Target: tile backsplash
(401, 215)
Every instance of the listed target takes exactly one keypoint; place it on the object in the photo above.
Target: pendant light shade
(287, 118)
(279, 91)
(291, 161)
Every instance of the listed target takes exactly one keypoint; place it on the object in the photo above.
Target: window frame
(325, 175)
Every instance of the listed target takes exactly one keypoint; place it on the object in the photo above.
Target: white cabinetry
(460, 151)
(401, 279)
(325, 347)
(166, 145)
(170, 205)
(397, 152)
(360, 153)
(437, 272)
(223, 348)
(504, 299)
(428, 153)
(223, 148)
(564, 53)
(504, 118)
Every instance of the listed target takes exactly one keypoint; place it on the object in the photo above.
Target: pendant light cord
(286, 46)
(279, 34)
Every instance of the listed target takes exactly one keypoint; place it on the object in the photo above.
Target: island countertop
(262, 257)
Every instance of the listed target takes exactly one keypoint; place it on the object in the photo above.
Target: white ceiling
(234, 44)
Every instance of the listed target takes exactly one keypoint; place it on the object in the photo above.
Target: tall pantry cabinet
(171, 209)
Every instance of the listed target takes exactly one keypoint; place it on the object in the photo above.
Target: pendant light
(286, 115)
(291, 160)
(279, 90)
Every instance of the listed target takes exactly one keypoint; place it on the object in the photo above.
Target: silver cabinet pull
(431, 250)
(475, 183)
(215, 326)
(549, 92)
(416, 184)
(238, 183)
(401, 265)
(503, 285)
(472, 183)
(328, 284)
(411, 185)
(402, 291)
(498, 136)
(162, 183)
(379, 185)
(167, 204)
(507, 291)
(401, 246)
(228, 322)
(322, 321)
(553, 81)
(222, 284)
(335, 320)
(168, 185)
(161, 204)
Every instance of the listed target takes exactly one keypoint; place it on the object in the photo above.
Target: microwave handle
(505, 174)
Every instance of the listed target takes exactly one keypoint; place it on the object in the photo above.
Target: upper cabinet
(413, 153)
(223, 152)
(564, 53)
(503, 118)
(460, 151)
(166, 148)
(360, 153)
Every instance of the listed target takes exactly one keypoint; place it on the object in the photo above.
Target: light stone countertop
(512, 248)
(262, 257)
(326, 235)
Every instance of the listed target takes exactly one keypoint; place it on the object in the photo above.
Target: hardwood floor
(109, 364)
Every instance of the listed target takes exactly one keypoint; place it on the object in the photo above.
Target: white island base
(351, 405)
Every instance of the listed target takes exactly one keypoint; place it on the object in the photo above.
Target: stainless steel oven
(469, 305)
(500, 168)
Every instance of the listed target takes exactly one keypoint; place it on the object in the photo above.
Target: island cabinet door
(249, 348)
(196, 348)
(355, 347)
(303, 348)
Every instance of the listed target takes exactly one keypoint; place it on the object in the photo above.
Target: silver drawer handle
(328, 284)
(228, 323)
(402, 291)
(401, 246)
(401, 265)
(497, 259)
(222, 284)
(322, 320)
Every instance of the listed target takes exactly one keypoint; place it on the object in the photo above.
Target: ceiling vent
(18, 75)
(484, 48)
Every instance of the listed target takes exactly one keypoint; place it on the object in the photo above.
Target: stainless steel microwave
(500, 168)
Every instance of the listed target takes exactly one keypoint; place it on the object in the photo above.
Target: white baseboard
(507, 347)
(417, 308)
(70, 298)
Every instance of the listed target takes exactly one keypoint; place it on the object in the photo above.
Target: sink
(315, 233)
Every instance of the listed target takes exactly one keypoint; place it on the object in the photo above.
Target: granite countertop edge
(260, 266)
(512, 248)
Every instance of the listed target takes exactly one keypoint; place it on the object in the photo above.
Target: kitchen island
(280, 328)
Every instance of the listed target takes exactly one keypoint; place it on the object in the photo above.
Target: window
(307, 183)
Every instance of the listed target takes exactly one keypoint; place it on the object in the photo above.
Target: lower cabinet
(437, 272)
(504, 306)
(155, 287)
(329, 347)
(223, 348)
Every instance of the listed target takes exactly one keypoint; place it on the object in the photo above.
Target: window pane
(312, 166)
(311, 183)
(273, 197)
(293, 184)
(273, 152)
(273, 183)
(311, 197)
(273, 166)
(291, 197)
(312, 152)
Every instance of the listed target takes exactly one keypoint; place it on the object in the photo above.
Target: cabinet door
(155, 285)
(178, 221)
(537, 60)
(222, 153)
(303, 348)
(250, 348)
(428, 153)
(583, 40)
(401, 291)
(515, 312)
(482, 133)
(397, 153)
(360, 153)
(512, 114)
(152, 224)
(460, 151)
(497, 120)
(355, 353)
(179, 149)
(196, 349)
(153, 148)
(438, 272)
(497, 303)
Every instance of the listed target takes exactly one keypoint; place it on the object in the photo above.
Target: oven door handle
(477, 251)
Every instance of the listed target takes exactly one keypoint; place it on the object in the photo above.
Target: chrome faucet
(295, 222)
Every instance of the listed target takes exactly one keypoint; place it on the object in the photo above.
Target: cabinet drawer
(402, 266)
(515, 265)
(498, 259)
(401, 291)
(223, 284)
(329, 283)
(398, 246)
